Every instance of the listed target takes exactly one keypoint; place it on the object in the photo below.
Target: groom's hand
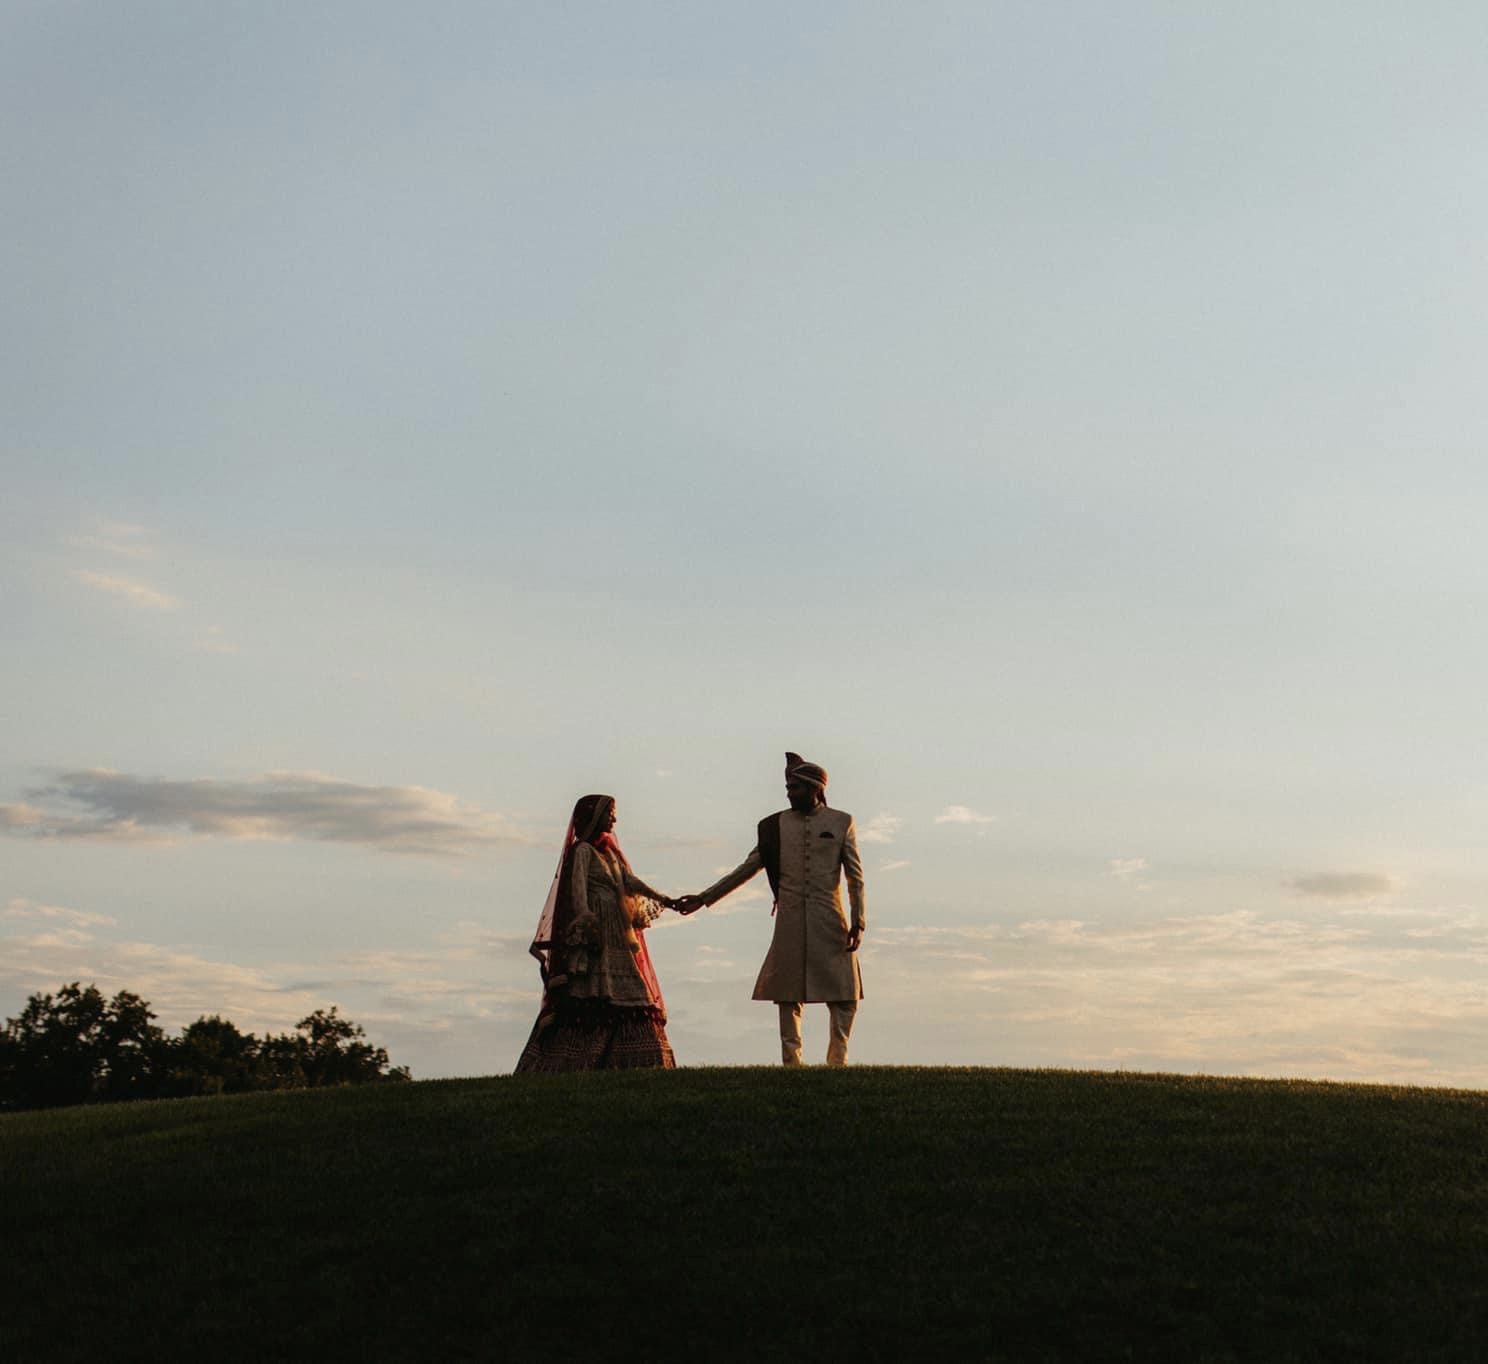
(855, 937)
(688, 904)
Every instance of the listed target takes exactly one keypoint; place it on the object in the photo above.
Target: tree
(327, 1049)
(212, 1057)
(76, 1046)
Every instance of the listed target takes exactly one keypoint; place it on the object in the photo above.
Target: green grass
(744, 1213)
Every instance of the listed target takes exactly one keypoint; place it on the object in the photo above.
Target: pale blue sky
(1067, 414)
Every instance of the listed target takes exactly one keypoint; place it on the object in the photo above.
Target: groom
(805, 852)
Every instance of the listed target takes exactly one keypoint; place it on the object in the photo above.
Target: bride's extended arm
(635, 886)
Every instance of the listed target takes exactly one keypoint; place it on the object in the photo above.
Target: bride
(601, 1007)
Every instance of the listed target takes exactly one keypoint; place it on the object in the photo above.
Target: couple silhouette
(602, 1007)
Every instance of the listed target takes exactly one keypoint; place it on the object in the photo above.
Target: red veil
(584, 826)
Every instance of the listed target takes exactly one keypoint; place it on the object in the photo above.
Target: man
(805, 851)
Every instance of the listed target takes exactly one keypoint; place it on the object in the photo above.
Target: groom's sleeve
(852, 869)
(736, 878)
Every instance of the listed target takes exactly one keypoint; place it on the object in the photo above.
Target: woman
(602, 1007)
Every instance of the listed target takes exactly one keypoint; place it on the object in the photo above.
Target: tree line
(78, 1047)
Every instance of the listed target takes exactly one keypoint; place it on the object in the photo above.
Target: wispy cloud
(213, 640)
(963, 814)
(119, 806)
(73, 918)
(130, 541)
(708, 964)
(1344, 885)
(122, 538)
(19, 818)
(880, 829)
(1385, 996)
(128, 589)
(897, 865)
(434, 1007)
(1352, 991)
(1125, 868)
(180, 985)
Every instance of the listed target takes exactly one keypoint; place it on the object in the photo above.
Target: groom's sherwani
(808, 960)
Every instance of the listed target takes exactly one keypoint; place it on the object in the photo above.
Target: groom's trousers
(842, 1012)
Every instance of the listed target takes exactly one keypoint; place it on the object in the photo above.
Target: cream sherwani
(808, 960)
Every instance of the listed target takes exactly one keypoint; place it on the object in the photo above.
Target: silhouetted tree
(135, 1051)
(77, 1047)
(212, 1057)
(326, 1049)
(339, 1051)
(283, 1060)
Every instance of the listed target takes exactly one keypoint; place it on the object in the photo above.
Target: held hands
(688, 904)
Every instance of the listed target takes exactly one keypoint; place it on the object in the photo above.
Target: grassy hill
(744, 1213)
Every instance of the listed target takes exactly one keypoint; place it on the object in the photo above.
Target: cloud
(180, 985)
(880, 829)
(1124, 868)
(115, 537)
(121, 538)
(1347, 991)
(898, 865)
(1383, 996)
(213, 640)
(119, 807)
(135, 593)
(460, 1004)
(75, 918)
(21, 818)
(1346, 885)
(708, 963)
(962, 814)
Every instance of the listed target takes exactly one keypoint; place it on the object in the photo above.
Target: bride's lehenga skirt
(593, 1034)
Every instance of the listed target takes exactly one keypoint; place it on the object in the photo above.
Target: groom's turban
(798, 769)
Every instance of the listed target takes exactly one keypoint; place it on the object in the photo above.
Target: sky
(1062, 422)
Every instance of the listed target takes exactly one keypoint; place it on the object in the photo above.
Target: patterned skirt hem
(597, 1035)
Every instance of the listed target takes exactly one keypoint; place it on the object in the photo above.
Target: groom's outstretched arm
(736, 878)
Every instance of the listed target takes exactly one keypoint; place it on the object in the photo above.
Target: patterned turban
(798, 769)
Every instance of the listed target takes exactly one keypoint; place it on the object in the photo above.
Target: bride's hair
(588, 815)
